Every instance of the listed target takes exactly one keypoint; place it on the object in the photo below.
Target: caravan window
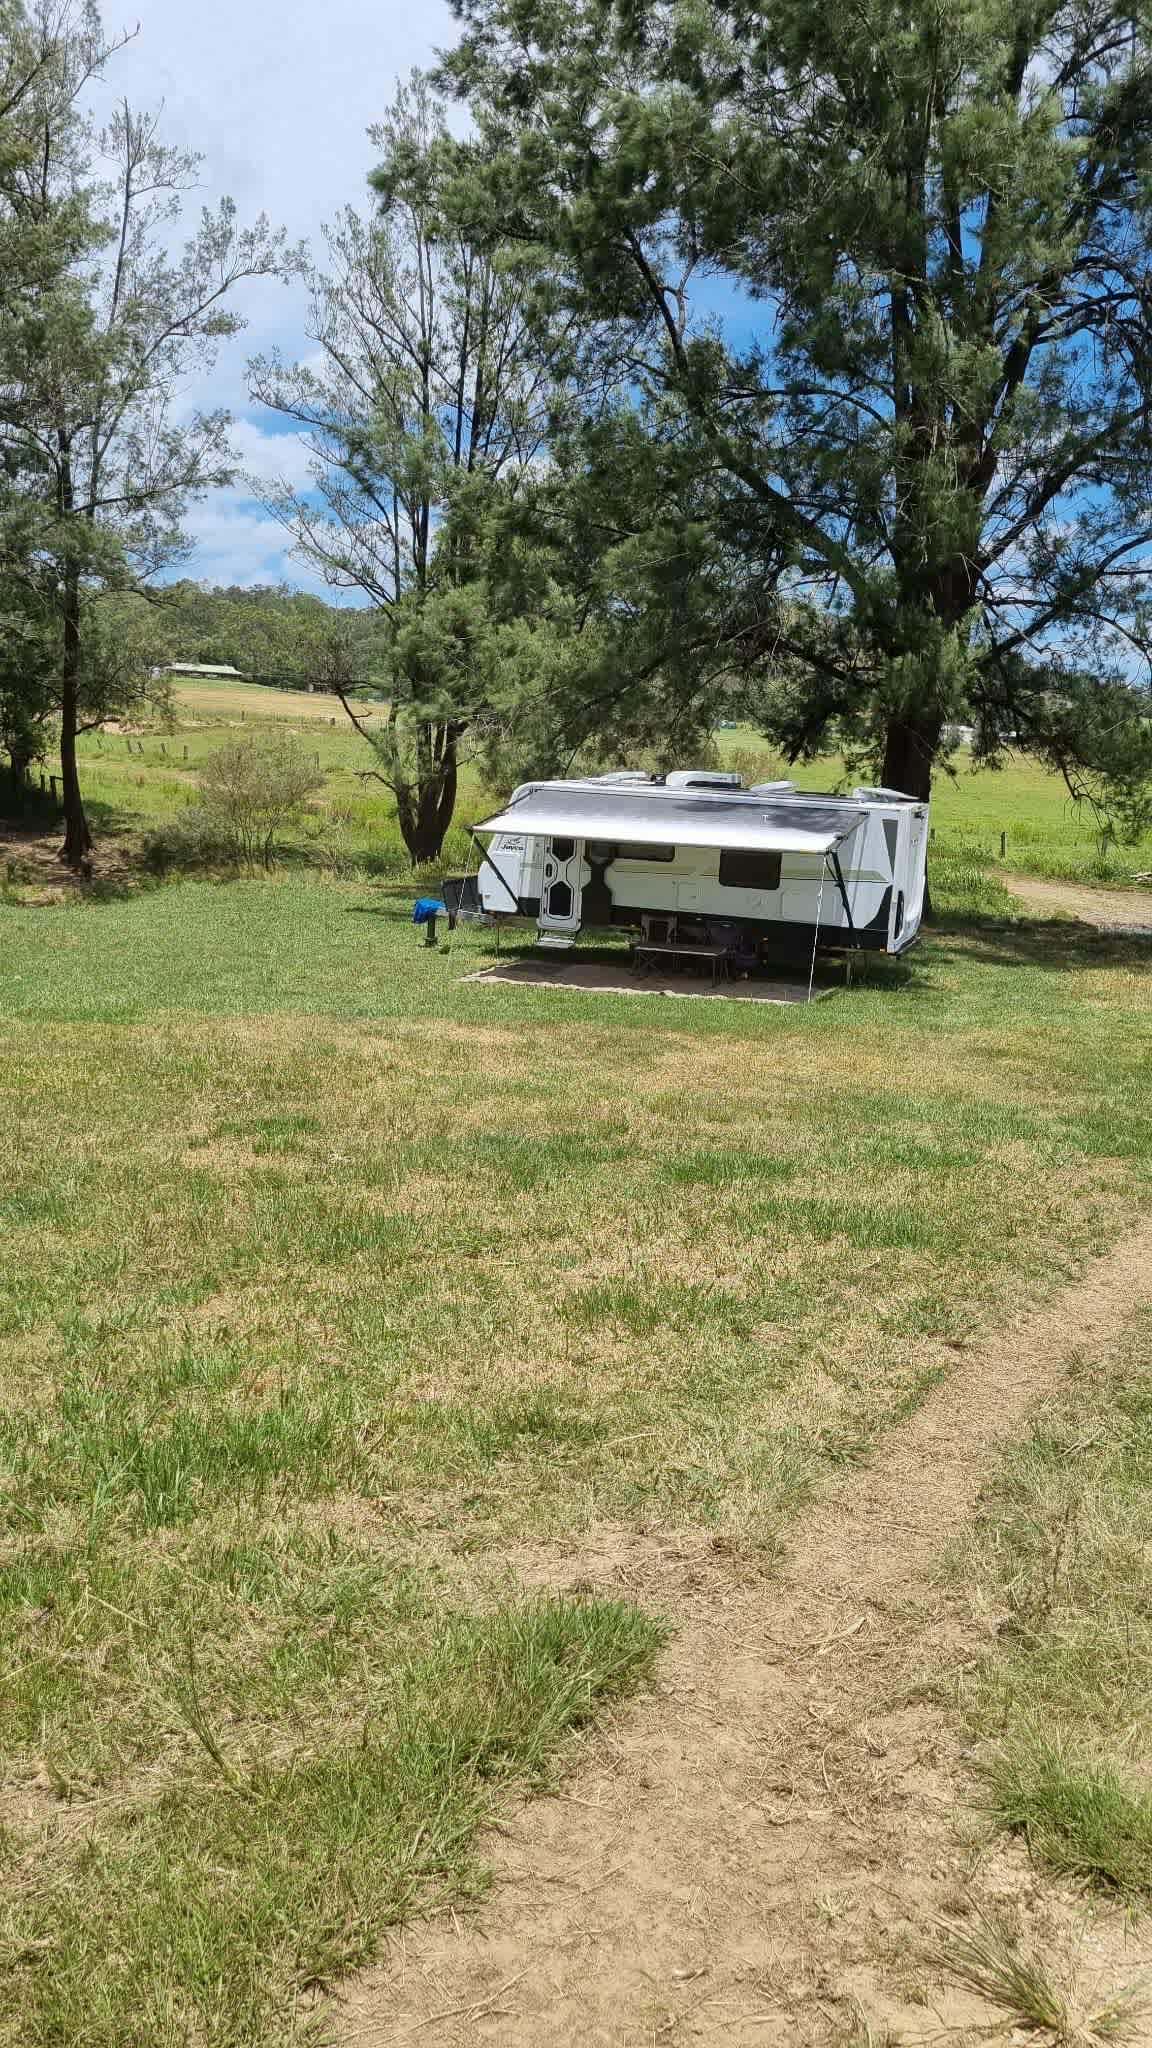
(741, 870)
(629, 852)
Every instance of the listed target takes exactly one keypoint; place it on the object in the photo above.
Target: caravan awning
(667, 817)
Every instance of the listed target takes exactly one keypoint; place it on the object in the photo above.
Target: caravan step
(556, 942)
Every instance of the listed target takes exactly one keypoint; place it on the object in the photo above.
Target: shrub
(255, 788)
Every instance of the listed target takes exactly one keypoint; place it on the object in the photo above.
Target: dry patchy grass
(326, 1279)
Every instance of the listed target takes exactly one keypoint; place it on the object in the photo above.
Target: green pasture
(1020, 815)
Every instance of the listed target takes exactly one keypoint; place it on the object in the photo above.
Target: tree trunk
(20, 762)
(910, 748)
(909, 752)
(443, 793)
(426, 808)
(77, 837)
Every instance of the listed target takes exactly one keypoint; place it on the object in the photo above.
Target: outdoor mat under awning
(588, 977)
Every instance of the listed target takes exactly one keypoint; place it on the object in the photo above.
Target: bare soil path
(756, 1853)
(1110, 910)
(30, 856)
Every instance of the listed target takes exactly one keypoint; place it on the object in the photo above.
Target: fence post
(52, 782)
(1003, 844)
(185, 753)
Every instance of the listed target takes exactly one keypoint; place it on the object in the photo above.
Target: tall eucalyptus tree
(426, 403)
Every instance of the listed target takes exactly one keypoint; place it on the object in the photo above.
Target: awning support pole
(838, 871)
(816, 933)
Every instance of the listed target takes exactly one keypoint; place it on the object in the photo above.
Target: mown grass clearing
(212, 702)
(213, 1902)
(328, 1279)
(1062, 1707)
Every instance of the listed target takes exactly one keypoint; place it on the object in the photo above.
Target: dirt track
(1110, 910)
(756, 1853)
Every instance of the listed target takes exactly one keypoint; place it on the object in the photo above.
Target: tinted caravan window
(740, 870)
(628, 852)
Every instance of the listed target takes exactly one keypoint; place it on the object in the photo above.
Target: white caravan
(770, 871)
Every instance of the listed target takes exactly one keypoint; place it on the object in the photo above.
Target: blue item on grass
(426, 909)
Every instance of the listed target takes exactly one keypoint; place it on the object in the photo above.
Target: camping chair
(742, 956)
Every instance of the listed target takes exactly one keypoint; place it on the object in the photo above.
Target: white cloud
(272, 458)
(237, 542)
(277, 99)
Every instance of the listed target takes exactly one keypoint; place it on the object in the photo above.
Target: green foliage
(119, 646)
(908, 480)
(98, 338)
(270, 632)
(28, 692)
(255, 788)
(427, 413)
(1099, 736)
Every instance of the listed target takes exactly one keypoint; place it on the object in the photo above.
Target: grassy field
(144, 777)
(214, 703)
(333, 1287)
(1021, 815)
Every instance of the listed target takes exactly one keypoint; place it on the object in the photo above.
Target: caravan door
(562, 885)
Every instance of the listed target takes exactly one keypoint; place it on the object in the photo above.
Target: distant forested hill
(269, 630)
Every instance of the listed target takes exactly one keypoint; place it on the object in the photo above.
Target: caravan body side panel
(805, 895)
(501, 878)
(915, 874)
(883, 866)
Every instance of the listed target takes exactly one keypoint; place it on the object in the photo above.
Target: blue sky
(276, 99)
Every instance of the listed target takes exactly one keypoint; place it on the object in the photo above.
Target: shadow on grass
(1056, 945)
(397, 898)
(32, 814)
(27, 810)
(31, 839)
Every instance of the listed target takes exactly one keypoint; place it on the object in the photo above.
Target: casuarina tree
(101, 452)
(883, 274)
